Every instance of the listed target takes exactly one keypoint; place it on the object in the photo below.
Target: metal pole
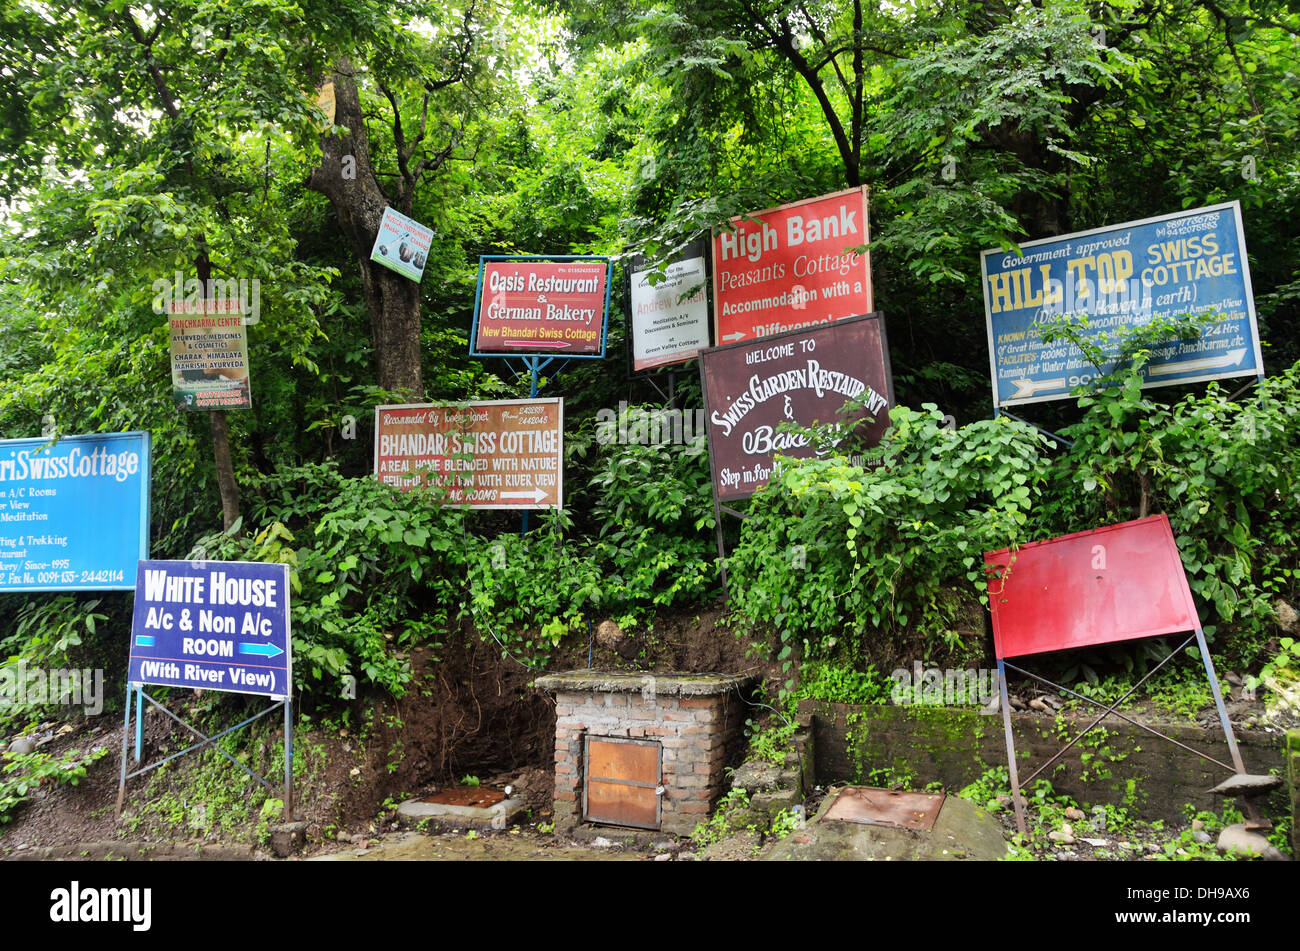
(1012, 770)
(534, 365)
(288, 759)
(1218, 702)
(139, 719)
(126, 733)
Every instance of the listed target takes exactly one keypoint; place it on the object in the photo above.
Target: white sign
(670, 320)
(402, 245)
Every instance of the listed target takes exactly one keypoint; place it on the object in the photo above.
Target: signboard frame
(476, 316)
(1120, 227)
(557, 401)
(1172, 626)
(877, 316)
(704, 248)
(145, 475)
(279, 701)
(866, 307)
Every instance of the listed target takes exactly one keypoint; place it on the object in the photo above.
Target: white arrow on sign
(734, 335)
(536, 495)
(1026, 387)
(555, 344)
(1231, 358)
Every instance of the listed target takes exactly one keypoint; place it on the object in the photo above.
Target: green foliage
(654, 507)
(22, 773)
(833, 555)
(1223, 471)
(528, 591)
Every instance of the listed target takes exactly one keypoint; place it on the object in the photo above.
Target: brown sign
(801, 376)
(504, 454)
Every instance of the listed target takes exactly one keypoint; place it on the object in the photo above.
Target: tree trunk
(225, 468)
(346, 177)
(226, 484)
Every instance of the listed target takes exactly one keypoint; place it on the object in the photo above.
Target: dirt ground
(469, 712)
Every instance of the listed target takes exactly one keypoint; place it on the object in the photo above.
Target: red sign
(505, 454)
(541, 306)
(789, 267)
(1118, 583)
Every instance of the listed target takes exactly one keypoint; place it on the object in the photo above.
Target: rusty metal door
(621, 781)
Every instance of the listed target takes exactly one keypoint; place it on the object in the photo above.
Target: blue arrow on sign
(144, 640)
(266, 650)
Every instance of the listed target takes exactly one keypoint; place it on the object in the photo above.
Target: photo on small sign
(402, 245)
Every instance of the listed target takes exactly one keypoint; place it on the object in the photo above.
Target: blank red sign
(1118, 583)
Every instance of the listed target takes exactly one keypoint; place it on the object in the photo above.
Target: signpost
(74, 514)
(791, 266)
(669, 321)
(218, 625)
(214, 625)
(801, 376)
(1109, 585)
(502, 454)
(1122, 276)
(402, 245)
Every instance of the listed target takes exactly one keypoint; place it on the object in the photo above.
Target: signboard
(538, 305)
(669, 320)
(74, 515)
(402, 245)
(209, 348)
(534, 305)
(801, 376)
(218, 625)
(503, 454)
(789, 267)
(1191, 262)
(1118, 583)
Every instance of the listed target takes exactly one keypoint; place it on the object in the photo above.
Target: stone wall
(1124, 766)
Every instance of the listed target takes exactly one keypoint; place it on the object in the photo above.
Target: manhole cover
(886, 807)
(467, 796)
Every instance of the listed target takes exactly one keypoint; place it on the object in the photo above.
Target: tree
(437, 76)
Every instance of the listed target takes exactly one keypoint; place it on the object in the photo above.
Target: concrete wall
(1125, 767)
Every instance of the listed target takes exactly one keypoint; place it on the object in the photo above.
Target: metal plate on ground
(887, 807)
(473, 796)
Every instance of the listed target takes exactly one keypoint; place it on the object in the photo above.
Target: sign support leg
(722, 547)
(1012, 769)
(288, 759)
(534, 365)
(139, 721)
(1218, 702)
(126, 733)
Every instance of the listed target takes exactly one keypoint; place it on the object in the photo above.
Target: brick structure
(696, 719)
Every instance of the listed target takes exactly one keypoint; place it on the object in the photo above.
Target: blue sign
(218, 625)
(1192, 262)
(74, 514)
